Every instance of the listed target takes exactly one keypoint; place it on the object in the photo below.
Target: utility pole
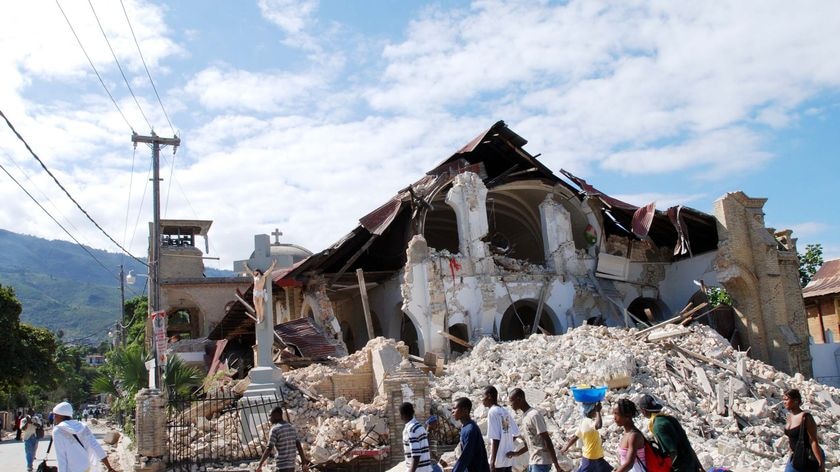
(122, 306)
(154, 240)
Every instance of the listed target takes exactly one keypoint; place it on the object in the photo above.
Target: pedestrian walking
(415, 441)
(631, 446)
(76, 448)
(537, 440)
(592, 451)
(670, 436)
(501, 430)
(282, 442)
(801, 430)
(473, 456)
(29, 433)
(18, 418)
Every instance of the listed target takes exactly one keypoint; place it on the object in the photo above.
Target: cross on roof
(277, 233)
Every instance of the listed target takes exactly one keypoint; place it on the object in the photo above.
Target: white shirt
(500, 426)
(72, 456)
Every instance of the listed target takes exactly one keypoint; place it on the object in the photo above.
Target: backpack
(655, 459)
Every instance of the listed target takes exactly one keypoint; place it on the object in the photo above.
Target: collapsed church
(490, 242)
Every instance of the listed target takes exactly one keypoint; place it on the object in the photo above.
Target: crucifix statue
(260, 294)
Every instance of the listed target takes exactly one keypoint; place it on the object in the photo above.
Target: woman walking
(801, 430)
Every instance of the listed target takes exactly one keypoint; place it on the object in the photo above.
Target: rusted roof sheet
(307, 338)
(825, 282)
(377, 221)
(278, 275)
(692, 228)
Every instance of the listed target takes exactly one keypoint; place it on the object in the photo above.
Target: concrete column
(468, 197)
(150, 429)
(558, 241)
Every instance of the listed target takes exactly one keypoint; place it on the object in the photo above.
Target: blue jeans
(29, 448)
(539, 468)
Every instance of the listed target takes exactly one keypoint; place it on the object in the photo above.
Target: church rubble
(492, 243)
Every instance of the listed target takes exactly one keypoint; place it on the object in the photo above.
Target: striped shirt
(282, 438)
(416, 444)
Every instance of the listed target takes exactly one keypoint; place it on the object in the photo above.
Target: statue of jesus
(260, 279)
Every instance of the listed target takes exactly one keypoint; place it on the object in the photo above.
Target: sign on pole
(159, 332)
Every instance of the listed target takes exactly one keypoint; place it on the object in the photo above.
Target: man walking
(537, 439)
(670, 436)
(75, 446)
(501, 429)
(282, 441)
(415, 442)
(473, 456)
(29, 425)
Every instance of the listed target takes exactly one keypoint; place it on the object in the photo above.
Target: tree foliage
(718, 296)
(809, 263)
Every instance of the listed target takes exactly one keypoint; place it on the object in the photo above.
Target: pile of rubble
(729, 404)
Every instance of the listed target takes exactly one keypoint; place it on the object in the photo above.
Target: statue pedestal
(261, 396)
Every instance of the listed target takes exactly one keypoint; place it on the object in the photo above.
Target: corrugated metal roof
(825, 282)
(307, 338)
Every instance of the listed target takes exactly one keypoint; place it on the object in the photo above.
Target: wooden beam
(680, 317)
(363, 291)
(540, 306)
(352, 259)
(455, 339)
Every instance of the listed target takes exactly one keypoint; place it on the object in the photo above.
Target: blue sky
(306, 114)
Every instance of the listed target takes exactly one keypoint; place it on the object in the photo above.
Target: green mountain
(63, 289)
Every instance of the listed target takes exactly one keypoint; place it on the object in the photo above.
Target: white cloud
(292, 16)
(263, 92)
(663, 200)
(594, 80)
(711, 155)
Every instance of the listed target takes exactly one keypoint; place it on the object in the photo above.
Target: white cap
(64, 409)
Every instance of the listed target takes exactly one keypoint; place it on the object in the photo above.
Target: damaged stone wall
(761, 275)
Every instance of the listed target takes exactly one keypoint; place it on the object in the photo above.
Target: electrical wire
(32, 182)
(169, 186)
(142, 200)
(28, 148)
(128, 203)
(119, 66)
(94, 67)
(57, 222)
(131, 28)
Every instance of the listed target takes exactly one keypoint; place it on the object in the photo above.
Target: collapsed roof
(497, 155)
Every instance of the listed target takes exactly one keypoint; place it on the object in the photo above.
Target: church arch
(519, 317)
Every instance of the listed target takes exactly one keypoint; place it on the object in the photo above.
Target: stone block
(111, 437)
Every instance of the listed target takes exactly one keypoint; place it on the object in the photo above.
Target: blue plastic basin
(589, 394)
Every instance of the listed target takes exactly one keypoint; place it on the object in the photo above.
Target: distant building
(822, 303)
(95, 360)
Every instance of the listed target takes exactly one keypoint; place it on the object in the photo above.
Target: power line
(146, 67)
(119, 66)
(28, 148)
(43, 194)
(94, 67)
(56, 221)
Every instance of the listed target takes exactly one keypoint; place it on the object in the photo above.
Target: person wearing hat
(670, 436)
(76, 449)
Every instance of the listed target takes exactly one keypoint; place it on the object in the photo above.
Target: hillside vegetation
(63, 289)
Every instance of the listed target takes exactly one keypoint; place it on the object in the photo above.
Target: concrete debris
(690, 378)
(729, 404)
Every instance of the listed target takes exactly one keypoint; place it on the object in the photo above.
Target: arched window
(519, 319)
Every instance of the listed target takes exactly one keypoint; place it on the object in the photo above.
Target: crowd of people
(668, 448)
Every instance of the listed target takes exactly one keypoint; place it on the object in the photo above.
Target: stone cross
(277, 233)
